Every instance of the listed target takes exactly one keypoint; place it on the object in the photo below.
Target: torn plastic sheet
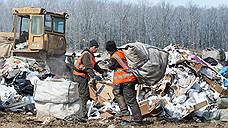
(175, 112)
(93, 112)
(108, 106)
(12, 101)
(7, 95)
(208, 72)
(22, 45)
(18, 106)
(218, 113)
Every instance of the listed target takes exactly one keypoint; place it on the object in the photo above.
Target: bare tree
(159, 25)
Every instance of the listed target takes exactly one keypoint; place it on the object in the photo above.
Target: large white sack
(58, 110)
(57, 98)
(56, 91)
(150, 62)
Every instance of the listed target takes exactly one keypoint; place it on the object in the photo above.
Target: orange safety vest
(122, 75)
(80, 67)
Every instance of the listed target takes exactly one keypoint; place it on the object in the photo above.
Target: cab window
(58, 25)
(24, 29)
(48, 23)
(54, 24)
(37, 25)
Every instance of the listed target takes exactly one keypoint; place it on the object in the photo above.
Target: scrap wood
(214, 86)
(144, 107)
(198, 106)
(196, 67)
(195, 108)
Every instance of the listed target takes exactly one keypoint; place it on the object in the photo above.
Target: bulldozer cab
(37, 30)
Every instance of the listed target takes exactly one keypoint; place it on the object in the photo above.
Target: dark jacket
(86, 60)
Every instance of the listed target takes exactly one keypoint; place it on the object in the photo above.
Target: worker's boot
(137, 123)
(121, 102)
(121, 114)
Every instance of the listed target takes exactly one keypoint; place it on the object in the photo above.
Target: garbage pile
(17, 79)
(193, 85)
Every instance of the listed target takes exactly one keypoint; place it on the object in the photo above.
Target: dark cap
(110, 46)
(93, 43)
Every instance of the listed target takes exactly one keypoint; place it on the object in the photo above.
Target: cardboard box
(154, 109)
(105, 93)
(198, 106)
(144, 107)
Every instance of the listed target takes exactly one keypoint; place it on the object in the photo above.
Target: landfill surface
(16, 120)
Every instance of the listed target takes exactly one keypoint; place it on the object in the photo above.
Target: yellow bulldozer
(37, 34)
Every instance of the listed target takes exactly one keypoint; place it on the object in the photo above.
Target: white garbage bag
(57, 98)
(56, 91)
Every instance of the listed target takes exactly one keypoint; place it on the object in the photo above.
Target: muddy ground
(19, 120)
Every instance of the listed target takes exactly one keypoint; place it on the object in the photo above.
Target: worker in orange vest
(123, 83)
(84, 70)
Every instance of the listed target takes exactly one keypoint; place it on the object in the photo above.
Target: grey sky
(201, 3)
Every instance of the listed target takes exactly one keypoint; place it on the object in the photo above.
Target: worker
(123, 83)
(84, 70)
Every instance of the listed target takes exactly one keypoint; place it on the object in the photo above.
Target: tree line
(159, 25)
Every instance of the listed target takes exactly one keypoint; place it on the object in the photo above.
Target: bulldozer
(37, 34)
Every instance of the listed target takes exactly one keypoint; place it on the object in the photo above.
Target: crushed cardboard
(105, 94)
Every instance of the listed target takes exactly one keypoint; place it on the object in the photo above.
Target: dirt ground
(18, 120)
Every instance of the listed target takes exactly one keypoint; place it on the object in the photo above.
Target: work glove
(94, 80)
(97, 78)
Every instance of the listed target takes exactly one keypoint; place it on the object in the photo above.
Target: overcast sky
(201, 3)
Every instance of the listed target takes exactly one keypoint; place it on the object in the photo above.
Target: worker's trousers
(125, 95)
(83, 90)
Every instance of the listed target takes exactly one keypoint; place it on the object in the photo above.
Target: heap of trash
(17, 87)
(174, 83)
(193, 85)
